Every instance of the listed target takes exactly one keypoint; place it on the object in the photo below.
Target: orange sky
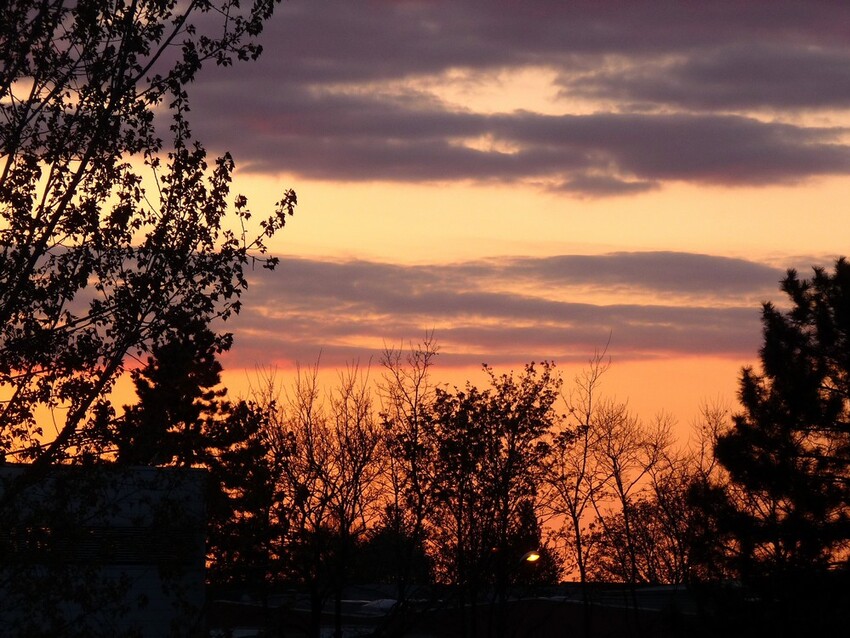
(446, 224)
(528, 179)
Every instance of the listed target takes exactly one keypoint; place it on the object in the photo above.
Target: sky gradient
(539, 179)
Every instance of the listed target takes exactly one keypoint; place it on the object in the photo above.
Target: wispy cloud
(483, 310)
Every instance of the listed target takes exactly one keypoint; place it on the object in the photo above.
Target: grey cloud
(742, 76)
(298, 109)
(603, 185)
(633, 336)
(707, 148)
(361, 138)
(310, 306)
(355, 41)
(662, 272)
(505, 344)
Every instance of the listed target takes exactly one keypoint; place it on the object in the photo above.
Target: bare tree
(714, 419)
(407, 395)
(327, 451)
(669, 526)
(354, 439)
(295, 425)
(572, 468)
(706, 502)
(572, 473)
(627, 452)
(667, 554)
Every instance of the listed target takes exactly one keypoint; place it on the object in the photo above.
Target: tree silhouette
(108, 234)
(573, 471)
(182, 419)
(243, 534)
(407, 395)
(179, 401)
(377, 557)
(490, 446)
(785, 509)
(626, 452)
(327, 464)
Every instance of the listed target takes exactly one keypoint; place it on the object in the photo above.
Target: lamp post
(498, 606)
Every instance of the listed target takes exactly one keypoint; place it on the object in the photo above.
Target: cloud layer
(712, 93)
(649, 304)
(638, 95)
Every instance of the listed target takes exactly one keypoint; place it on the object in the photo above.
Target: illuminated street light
(530, 557)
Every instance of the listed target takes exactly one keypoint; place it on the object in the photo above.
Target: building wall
(102, 551)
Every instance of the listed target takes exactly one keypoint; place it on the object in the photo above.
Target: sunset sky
(531, 178)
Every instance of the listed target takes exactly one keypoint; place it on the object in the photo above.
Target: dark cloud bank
(698, 92)
(348, 309)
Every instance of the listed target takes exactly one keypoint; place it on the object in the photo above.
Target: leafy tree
(109, 236)
(115, 227)
(489, 456)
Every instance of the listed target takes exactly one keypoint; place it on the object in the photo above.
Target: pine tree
(179, 401)
(784, 510)
(788, 454)
(182, 418)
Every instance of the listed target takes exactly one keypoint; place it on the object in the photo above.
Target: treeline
(409, 482)
(403, 480)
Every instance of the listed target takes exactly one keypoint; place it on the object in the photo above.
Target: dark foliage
(490, 446)
(789, 451)
(781, 522)
(182, 419)
(180, 406)
(109, 236)
(376, 559)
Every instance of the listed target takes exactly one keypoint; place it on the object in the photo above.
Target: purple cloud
(745, 75)
(345, 309)
(383, 141)
(681, 84)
